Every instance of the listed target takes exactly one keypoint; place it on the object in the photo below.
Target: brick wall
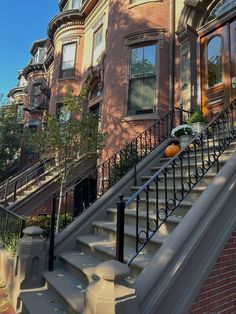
(218, 293)
(123, 21)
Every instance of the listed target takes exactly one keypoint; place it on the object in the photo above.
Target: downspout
(172, 55)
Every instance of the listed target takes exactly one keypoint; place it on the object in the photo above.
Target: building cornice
(36, 44)
(33, 68)
(63, 18)
(15, 90)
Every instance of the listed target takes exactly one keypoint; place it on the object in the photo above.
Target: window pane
(149, 93)
(135, 96)
(36, 95)
(214, 61)
(149, 59)
(221, 8)
(68, 65)
(136, 62)
(69, 52)
(68, 60)
(76, 4)
(62, 114)
(67, 73)
(97, 50)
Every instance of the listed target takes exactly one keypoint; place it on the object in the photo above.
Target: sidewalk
(5, 306)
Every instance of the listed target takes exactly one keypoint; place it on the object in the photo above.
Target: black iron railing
(170, 185)
(76, 199)
(11, 226)
(15, 186)
(82, 194)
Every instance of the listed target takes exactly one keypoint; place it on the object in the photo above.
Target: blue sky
(21, 23)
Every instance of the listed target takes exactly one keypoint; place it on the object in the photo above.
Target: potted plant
(197, 120)
(184, 132)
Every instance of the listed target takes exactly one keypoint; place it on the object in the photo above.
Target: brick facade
(125, 20)
(218, 293)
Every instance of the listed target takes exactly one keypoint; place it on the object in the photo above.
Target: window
(20, 111)
(36, 95)
(97, 45)
(62, 114)
(73, 5)
(214, 61)
(68, 60)
(221, 8)
(142, 82)
(40, 55)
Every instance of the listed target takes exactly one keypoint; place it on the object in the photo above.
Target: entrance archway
(207, 37)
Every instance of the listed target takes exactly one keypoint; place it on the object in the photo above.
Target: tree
(68, 137)
(10, 136)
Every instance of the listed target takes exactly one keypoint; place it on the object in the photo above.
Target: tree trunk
(59, 206)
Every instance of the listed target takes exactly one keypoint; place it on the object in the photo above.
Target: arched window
(220, 8)
(214, 61)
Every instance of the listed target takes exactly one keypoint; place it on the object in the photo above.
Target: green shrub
(197, 116)
(44, 221)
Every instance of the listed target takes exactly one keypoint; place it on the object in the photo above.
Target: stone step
(170, 193)
(107, 230)
(180, 211)
(40, 301)
(193, 167)
(79, 265)
(68, 289)
(205, 180)
(103, 249)
(130, 219)
(198, 161)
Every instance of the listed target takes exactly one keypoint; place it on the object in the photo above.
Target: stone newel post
(111, 293)
(30, 259)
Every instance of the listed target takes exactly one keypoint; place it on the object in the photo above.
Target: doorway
(218, 64)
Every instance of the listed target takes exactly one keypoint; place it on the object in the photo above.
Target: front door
(218, 65)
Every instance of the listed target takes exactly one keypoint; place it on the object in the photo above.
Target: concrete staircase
(65, 286)
(34, 189)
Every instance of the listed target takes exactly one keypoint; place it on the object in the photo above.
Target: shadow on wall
(123, 22)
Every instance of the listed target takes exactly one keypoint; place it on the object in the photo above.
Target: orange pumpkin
(172, 150)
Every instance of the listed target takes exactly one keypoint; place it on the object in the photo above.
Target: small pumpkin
(172, 150)
(192, 145)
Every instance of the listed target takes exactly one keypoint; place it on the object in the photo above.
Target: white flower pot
(184, 140)
(197, 126)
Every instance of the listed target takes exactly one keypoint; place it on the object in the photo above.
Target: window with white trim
(97, 45)
(68, 60)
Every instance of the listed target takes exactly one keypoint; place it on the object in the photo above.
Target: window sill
(131, 5)
(140, 117)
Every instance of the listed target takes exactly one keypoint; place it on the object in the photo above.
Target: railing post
(120, 229)
(181, 114)
(52, 234)
(15, 188)
(5, 194)
(135, 175)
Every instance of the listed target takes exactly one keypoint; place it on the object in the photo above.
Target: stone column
(111, 294)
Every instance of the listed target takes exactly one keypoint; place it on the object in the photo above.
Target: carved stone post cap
(33, 231)
(112, 270)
